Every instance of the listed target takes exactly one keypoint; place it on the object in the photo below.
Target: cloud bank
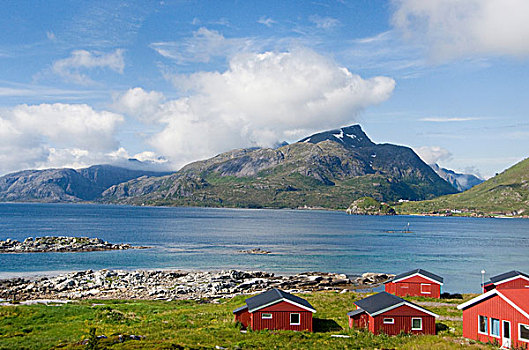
(55, 135)
(458, 29)
(262, 98)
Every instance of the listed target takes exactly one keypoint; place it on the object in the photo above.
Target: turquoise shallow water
(201, 238)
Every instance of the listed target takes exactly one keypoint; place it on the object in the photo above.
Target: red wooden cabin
(499, 316)
(389, 314)
(511, 279)
(275, 309)
(419, 283)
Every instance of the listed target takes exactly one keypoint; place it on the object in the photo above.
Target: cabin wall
(281, 318)
(359, 321)
(494, 307)
(402, 317)
(518, 283)
(412, 287)
(243, 317)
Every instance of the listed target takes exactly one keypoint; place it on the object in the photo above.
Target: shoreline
(177, 284)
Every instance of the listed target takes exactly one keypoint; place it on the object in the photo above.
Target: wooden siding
(359, 321)
(402, 321)
(243, 317)
(515, 283)
(493, 307)
(281, 318)
(412, 287)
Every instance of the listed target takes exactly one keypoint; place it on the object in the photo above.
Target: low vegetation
(128, 324)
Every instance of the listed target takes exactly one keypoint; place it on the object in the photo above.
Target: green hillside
(505, 194)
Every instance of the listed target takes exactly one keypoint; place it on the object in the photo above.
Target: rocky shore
(60, 244)
(169, 285)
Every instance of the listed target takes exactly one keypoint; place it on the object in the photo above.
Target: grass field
(200, 325)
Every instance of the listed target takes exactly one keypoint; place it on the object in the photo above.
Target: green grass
(198, 325)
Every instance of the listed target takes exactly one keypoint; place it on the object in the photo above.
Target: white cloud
(50, 35)
(433, 154)
(139, 103)
(204, 45)
(454, 28)
(71, 68)
(267, 21)
(261, 99)
(324, 22)
(55, 135)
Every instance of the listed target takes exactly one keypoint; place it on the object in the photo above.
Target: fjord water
(205, 238)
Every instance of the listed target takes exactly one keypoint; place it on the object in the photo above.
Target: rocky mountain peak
(351, 136)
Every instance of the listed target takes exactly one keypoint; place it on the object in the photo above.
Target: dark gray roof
(240, 309)
(382, 301)
(272, 296)
(507, 275)
(355, 312)
(419, 271)
(378, 302)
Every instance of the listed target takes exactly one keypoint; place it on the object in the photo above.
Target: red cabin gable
(498, 316)
(508, 280)
(389, 314)
(276, 309)
(415, 283)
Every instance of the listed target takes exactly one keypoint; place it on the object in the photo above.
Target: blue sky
(170, 82)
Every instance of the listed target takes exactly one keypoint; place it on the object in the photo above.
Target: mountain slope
(504, 194)
(64, 185)
(461, 182)
(328, 169)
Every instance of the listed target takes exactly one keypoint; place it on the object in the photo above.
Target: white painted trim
(426, 284)
(511, 279)
(280, 300)
(266, 318)
(418, 274)
(416, 318)
(503, 329)
(390, 320)
(486, 324)
(520, 333)
(477, 299)
(510, 302)
(490, 328)
(401, 304)
(290, 319)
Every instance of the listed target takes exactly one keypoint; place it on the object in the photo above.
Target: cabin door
(506, 335)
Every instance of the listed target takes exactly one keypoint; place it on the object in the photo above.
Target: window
(295, 319)
(495, 327)
(416, 324)
(389, 321)
(426, 288)
(523, 332)
(266, 316)
(482, 325)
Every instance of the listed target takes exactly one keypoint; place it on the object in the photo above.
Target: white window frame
(499, 328)
(520, 332)
(486, 325)
(389, 321)
(503, 322)
(416, 329)
(266, 316)
(426, 284)
(299, 319)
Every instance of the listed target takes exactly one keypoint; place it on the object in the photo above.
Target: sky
(171, 82)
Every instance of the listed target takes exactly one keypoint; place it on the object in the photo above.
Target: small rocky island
(60, 244)
(176, 284)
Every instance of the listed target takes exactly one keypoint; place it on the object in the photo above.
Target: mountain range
(328, 169)
(504, 194)
(65, 185)
(461, 182)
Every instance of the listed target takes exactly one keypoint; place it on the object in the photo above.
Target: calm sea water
(200, 238)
